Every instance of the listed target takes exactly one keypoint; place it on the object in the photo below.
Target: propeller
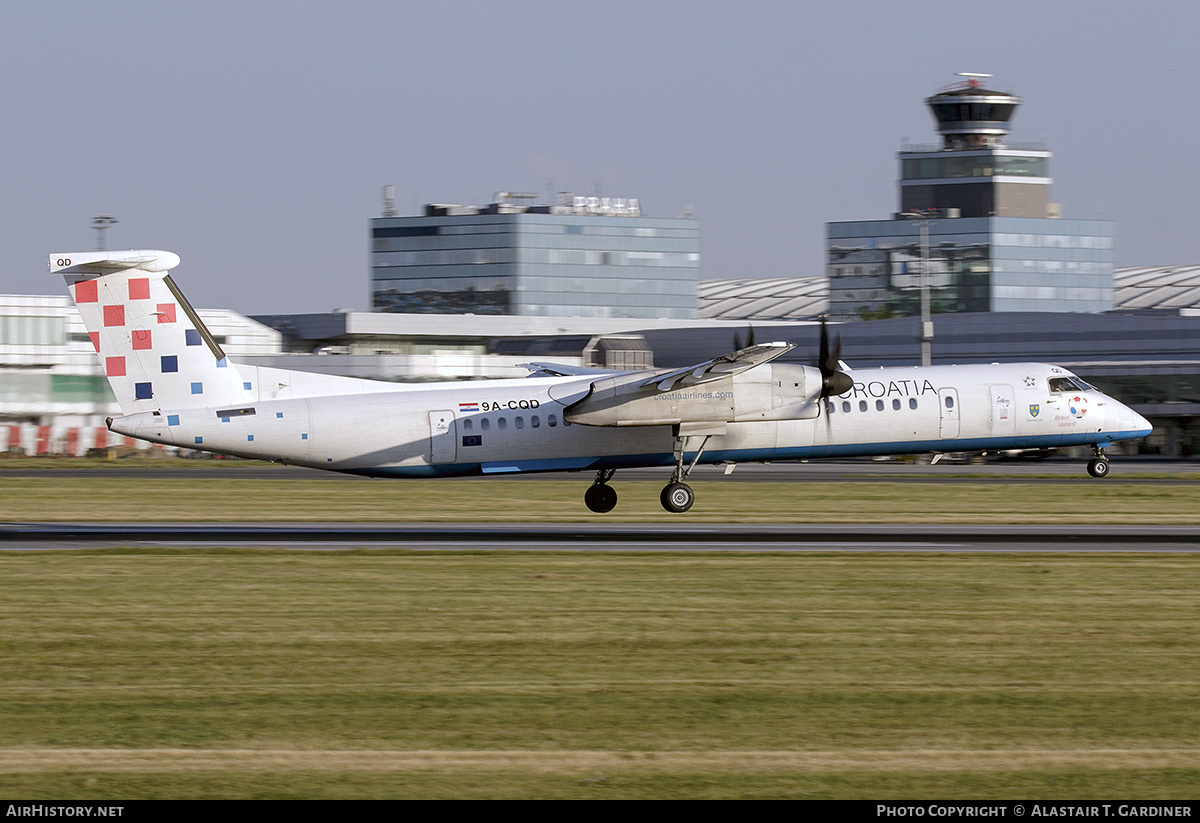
(833, 381)
(738, 345)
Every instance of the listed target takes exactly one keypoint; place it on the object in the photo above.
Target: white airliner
(175, 386)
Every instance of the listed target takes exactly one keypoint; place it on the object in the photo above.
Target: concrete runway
(609, 537)
(615, 536)
(1053, 470)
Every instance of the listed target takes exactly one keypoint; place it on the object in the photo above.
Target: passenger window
(912, 402)
(534, 421)
(878, 405)
(502, 423)
(467, 424)
(895, 404)
(846, 406)
(552, 420)
(484, 424)
(519, 422)
(949, 401)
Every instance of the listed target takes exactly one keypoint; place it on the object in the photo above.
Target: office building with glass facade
(586, 257)
(975, 264)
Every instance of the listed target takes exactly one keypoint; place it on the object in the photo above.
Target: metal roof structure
(788, 298)
(1157, 288)
(1174, 289)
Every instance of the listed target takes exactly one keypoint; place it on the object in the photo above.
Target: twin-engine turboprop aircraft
(175, 386)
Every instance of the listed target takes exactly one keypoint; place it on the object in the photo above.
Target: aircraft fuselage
(517, 425)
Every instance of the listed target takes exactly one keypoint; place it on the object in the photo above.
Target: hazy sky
(253, 138)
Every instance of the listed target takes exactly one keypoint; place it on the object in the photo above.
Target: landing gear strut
(678, 496)
(601, 497)
(1098, 465)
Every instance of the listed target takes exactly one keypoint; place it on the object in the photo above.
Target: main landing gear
(676, 496)
(601, 497)
(1098, 466)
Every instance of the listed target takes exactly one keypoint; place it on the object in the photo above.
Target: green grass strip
(387, 674)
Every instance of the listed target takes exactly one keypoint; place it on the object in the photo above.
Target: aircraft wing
(652, 398)
(726, 365)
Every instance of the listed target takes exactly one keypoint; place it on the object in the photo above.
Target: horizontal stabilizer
(106, 262)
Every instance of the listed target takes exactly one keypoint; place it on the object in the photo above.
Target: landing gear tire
(600, 498)
(1098, 467)
(677, 497)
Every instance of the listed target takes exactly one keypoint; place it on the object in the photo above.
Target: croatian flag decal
(467, 407)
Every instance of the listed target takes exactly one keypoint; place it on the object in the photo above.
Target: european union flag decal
(1034, 408)
(472, 440)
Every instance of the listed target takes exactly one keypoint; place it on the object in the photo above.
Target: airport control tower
(973, 170)
(993, 240)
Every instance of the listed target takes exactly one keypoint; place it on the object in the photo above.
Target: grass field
(385, 674)
(192, 673)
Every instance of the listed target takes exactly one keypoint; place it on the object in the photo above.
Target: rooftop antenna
(101, 222)
(389, 201)
(973, 78)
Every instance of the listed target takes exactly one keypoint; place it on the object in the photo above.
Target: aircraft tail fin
(155, 350)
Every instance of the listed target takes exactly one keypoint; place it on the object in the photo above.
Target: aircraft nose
(1133, 423)
(1142, 425)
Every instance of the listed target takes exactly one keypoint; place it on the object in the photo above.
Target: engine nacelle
(773, 391)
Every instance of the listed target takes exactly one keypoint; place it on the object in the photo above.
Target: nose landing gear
(1098, 466)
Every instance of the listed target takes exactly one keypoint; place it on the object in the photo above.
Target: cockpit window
(1068, 384)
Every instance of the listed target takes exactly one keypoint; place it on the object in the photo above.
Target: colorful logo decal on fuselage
(1077, 405)
(1034, 408)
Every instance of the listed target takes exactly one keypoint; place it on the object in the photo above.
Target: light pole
(925, 335)
(101, 222)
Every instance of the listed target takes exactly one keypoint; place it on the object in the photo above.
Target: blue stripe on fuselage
(634, 461)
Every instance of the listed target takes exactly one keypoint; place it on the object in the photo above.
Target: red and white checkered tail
(155, 350)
